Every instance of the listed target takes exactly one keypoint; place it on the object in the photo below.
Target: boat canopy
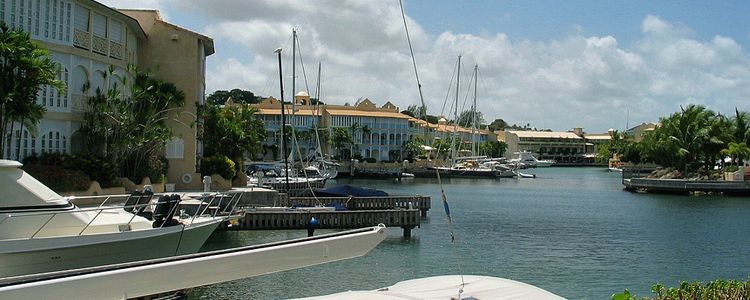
(346, 190)
(21, 190)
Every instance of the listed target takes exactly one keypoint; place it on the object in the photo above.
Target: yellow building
(88, 39)
(563, 147)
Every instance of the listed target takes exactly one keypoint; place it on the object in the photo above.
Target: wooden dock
(687, 186)
(419, 202)
(407, 219)
(393, 211)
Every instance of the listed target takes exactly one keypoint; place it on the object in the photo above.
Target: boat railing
(227, 207)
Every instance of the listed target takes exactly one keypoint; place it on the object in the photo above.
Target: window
(2, 10)
(46, 18)
(82, 18)
(54, 19)
(175, 148)
(67, 24)
(37, 16)
(60, 22)
(53, 141)
(100, 25)
(21, 14)
(13, 13)
(29, 13)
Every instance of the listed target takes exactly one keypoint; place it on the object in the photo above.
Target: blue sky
(553, 64)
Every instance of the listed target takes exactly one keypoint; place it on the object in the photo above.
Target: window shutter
(115, 32)
(82, 18)
(100, 25)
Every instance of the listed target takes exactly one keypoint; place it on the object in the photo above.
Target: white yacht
(41, 231)
(527, 159)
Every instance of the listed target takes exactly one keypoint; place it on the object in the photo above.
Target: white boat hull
(47, 254)
(448, 287)
(145, 278)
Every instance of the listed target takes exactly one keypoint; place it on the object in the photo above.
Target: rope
(437, 171)
(413, 61)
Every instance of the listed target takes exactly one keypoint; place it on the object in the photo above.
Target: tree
(467, 117)
(24, 68)
(414, 148)
(219, 97)
(493, 148)
(737, 151)
(131, 131)
(341, 138)
(498, 124)
(233, 131)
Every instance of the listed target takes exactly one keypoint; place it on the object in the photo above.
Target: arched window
(20, 144)
(53, 141)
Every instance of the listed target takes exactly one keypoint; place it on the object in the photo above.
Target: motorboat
(272, 175)
(41, 231)
(451, 287)
(527, 159)
(135, 280)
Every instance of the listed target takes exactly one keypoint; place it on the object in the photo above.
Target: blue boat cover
(346, 190)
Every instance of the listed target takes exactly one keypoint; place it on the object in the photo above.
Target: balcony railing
(116, 50)
(82, 39)
(102, 45)
(99, 45)
(80, 103)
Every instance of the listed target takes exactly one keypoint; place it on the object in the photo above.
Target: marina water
(571, 231)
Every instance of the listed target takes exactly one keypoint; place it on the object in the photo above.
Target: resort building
(88, 39)
(377, 132)
(563, 147)
(636, 133)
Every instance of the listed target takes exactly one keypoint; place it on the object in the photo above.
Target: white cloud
(574, 80)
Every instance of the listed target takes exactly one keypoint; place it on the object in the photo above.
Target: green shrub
(59, 179)
(97, 168)
(731, 168)
(370, 160)
(715, 290)
(153, 167)
(218, 164)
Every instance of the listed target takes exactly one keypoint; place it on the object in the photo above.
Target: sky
(554, 64)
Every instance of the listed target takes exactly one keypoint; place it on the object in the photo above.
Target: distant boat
(41, 231)
(527, 159)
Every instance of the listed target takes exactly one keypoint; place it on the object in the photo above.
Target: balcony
(102, 45)
(80, 103)
(99, 45)
(116, 50)
(82, 39)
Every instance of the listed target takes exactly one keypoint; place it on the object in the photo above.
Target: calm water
(571, 231)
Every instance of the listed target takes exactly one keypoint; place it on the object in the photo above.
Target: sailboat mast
(474, 114)
(294, 70)
(455, 114)
(283, 123)
(317, 112)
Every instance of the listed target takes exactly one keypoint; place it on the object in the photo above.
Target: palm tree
(737, 151)
(24, 68)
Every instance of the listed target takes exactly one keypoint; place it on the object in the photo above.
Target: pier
(407, 219)
(687, 186)
(405, 211)
(419, 202)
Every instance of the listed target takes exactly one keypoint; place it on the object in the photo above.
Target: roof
(207, 41)
(364, 113)
(598, 136)
(546, 134)
(276, 111)
(132, 22)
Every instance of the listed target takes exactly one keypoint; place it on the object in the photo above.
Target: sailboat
(469, 167)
